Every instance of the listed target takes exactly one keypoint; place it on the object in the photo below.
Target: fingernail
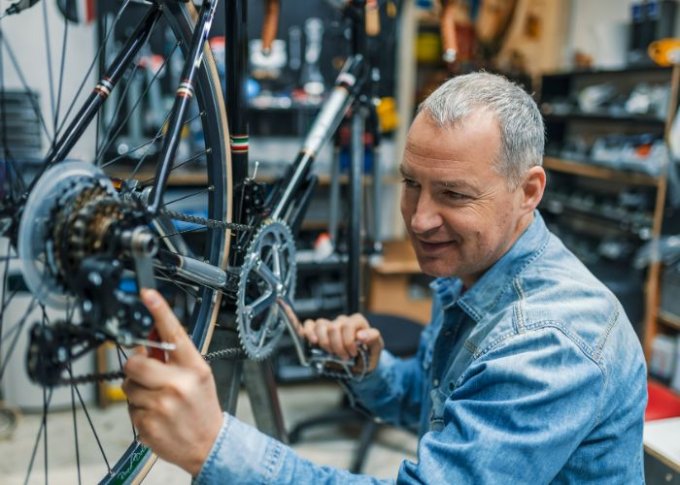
(150, 297)
(361, 334)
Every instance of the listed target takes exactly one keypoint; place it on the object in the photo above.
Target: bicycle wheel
(75, 441)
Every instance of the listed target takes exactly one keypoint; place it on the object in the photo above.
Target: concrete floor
(324, 445)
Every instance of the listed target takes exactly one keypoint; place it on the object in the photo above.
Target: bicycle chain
(211, 223)
(203, 221)
(233, 353)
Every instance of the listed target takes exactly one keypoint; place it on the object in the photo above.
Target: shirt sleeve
(242, 454)
(394, 390)
(515, 416)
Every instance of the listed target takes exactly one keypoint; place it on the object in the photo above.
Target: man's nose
(426, 216)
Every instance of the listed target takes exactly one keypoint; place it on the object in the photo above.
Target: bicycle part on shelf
(311, 79)
(267, 273)
(324, 363)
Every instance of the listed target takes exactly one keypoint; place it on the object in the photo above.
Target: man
(529, 372)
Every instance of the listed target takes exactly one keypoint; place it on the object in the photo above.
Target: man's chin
(434, 267)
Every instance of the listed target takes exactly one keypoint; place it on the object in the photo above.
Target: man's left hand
(173, 405)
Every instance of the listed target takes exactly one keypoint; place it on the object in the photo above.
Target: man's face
(459, 211)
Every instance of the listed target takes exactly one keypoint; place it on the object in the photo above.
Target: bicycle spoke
(185, 287)
(3, 301)
(43, 423)
(94, 62)
(46, 29)
(102, 151)
(45, 409)
(120, 352)
(94, 431)
(75, 424)
(158, 136)
(210, 188)
(99, 151)
(24, 84)
(6, 304)
(18, 328)
(64, 41)
(175, 166)
(129, 152)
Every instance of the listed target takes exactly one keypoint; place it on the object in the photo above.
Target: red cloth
(662, 403)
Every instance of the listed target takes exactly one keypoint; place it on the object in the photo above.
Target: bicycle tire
(136, 460)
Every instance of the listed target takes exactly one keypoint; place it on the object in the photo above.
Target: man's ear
(532, 188)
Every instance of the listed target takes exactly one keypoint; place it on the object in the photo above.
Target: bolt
(87, 306)
(95, 278)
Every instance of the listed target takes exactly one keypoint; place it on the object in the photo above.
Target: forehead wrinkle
(421, 150)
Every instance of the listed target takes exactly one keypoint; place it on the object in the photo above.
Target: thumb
(168, 327)
(372, 339)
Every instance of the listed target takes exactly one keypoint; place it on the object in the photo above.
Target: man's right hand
(343, 335)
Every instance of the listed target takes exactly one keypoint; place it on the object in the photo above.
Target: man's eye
(450, 194)
(409, 183)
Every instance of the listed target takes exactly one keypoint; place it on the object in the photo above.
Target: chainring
(268, 272)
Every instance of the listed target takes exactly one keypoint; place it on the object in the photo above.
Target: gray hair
(520, 121)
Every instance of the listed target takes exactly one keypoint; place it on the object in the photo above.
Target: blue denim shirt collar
(483, 295)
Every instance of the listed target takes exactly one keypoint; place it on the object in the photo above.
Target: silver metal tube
(202, 273)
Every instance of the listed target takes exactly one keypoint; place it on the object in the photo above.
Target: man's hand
(173, 405)
(342, 336)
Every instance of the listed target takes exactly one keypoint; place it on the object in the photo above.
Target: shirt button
(435, 382)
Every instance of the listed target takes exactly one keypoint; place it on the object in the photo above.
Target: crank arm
(354, 368)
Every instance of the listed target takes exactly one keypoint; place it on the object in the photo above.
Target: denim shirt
(533, 375)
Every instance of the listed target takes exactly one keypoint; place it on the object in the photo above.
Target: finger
(169, 328)
(370, 337)
(309, 332)
(321, 331)
(138, 397)
(355, 323)
(149, 373)
(349, 338)
(335, 337)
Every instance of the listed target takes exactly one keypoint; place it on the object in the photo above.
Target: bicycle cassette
(268, 272)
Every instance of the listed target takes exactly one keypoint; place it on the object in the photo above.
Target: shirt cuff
(374, 382)
(241, 454)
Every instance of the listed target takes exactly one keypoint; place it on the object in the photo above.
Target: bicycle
(88, 240)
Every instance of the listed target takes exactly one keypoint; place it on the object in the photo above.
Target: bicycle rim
(84, 452)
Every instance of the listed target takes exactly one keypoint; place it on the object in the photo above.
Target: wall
(25, 33)
(599, 28)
